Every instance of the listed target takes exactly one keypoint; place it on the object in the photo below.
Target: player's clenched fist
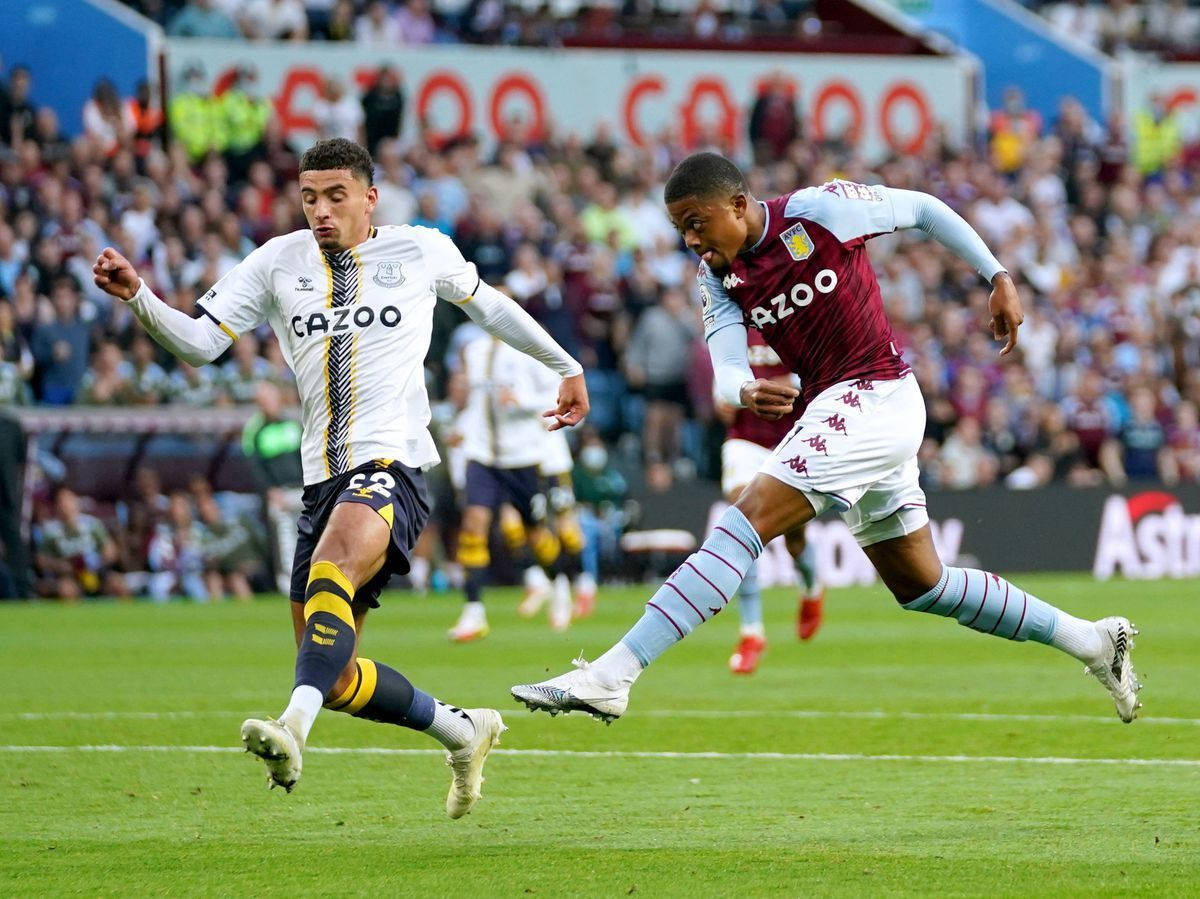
(768, 399)
(114, 274)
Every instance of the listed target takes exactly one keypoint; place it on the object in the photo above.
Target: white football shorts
(740, 462)
(855, 450)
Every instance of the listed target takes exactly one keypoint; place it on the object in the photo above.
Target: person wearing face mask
(600, 491)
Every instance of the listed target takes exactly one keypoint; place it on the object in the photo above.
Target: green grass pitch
(993, 785)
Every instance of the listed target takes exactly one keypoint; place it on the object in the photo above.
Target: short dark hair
(339, 153)
(704, 175)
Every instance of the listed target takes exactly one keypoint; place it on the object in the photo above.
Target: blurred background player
(75, 550)
(556, 468)
(749, 441)
(503, 440)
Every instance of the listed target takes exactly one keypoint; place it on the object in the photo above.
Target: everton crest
(388, 274)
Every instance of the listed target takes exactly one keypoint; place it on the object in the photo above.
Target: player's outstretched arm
(734, 382)
(914, 209)
(503, 317)
(195, 341)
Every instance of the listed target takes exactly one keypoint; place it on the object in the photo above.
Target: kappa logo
(731, 281)
(836, 422)
(799, 244)
(388, 274)
(304, 284)
(797, 464)
(817, 442)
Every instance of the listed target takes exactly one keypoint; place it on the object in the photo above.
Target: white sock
(452, 727)
(754, 630)
(536, 578)
(619, 663)
(418, 573)
(1076, 637)
(473, 615)
(302, 710)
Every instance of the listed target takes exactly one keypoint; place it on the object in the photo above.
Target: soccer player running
(796, 268)
(503, 434)
(352, 306)
(748, 444)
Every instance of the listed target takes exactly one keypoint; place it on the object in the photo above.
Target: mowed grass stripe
(644, 754)
(716, 714)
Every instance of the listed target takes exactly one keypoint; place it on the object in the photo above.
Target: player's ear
(372, 198)
(739, 202)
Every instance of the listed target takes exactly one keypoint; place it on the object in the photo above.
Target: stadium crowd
(1102, 233)
(1170, 27)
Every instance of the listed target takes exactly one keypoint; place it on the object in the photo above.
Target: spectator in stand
(107, 382)
(341, 22)
(600, 491)
(1157, 142)
(195, 116)
(245, 370)
(383, 108)
(246, 117)
(1139, 452)
(415, 23)
(148, 383)
(147, 120)
(377, 28)
(275, 20)
(774, 120)
(338, 114)
(603, 217)
(396, 204)
(231, 551)
(20, 116)
(201, 18)
(271, 441)
(60, 347)
(16, 361)
(1183, 441)
(1012, 131)
(656, 364)
(964, 461)
(1081, 20)
(175, 555)
(1090, 415)
(106, 120)
(1173, 25)
(74, 554)
(140, 516)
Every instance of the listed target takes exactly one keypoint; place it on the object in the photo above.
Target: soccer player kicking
(352, 306)
(748, 444)
(796, 269)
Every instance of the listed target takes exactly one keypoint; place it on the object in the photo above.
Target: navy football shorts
(392, 489)
(521, 488)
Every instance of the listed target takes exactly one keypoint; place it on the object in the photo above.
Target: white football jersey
(556, 454)
(502, 424)
(354, 326)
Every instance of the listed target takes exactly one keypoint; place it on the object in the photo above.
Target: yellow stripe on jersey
(228, 330)
(328, 401)
(358, 293)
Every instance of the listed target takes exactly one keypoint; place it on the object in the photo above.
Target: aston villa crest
(388, 274)
(799, 244)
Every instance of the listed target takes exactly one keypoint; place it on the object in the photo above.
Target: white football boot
(467, 763)
(279, 748)
(1113, 667)
(472, 624)
(586, 689)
